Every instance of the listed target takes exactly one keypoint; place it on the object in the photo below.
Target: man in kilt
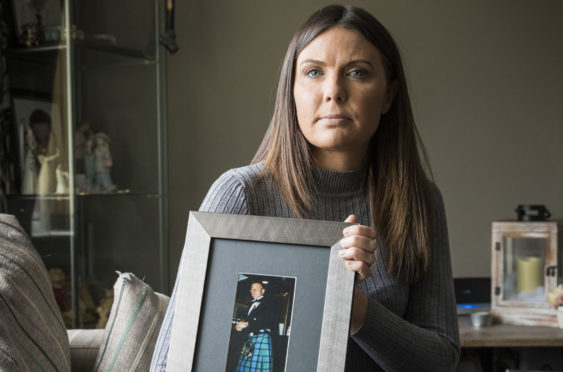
(261, 320)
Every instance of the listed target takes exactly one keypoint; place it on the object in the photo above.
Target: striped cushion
(84, 347)
(32, 333)
(133, 325)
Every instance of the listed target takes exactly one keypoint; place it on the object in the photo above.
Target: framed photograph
(261, 292)
(34, 121)
(42, 14)
(38, 129)
(261, 321)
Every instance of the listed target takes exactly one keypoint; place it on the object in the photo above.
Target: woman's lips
(334, 119)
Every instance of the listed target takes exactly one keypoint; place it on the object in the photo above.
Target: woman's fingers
(356, 254)
(368, 232)
(358, 248)
(358, 241)
(361, 268)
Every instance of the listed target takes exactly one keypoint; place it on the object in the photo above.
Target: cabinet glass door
(88, 170)
(39, 192)
(118, 145)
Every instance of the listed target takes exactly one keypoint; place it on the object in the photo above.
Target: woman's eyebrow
(312, 61)
(355, 61)
(319, 62)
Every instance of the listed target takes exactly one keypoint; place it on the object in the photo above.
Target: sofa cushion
(32, 333)
(133, 325)
(84, 347)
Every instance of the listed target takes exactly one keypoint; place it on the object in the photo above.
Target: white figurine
(30, 164)
(102, 163)
(62, 180)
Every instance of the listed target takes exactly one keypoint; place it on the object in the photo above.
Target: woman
(342, 142)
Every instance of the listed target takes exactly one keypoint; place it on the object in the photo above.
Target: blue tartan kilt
(261, 359)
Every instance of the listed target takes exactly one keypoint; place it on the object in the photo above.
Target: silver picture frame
(217, 244)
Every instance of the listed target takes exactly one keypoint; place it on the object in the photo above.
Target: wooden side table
(533, 343)
(507, 335)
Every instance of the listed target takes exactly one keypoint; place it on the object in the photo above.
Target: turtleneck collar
(335, 182)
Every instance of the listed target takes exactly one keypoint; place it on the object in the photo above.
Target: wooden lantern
(524, 269)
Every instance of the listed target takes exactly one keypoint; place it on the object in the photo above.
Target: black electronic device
(472, 294)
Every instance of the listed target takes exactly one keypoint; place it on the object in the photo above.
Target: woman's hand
(358, 248)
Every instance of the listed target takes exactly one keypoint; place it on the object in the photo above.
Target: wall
(486, 84)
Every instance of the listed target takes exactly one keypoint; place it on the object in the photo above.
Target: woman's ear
(390, 96)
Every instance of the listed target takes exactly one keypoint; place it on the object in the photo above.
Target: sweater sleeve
(226, 195)
(427, 337)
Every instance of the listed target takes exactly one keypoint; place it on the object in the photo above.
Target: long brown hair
(399, 191)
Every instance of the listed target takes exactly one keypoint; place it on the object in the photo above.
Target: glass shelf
(53, 233)
(32, 50)
(38, 196)
(114, 49)
(101, 47)
(124, 193)
(118, 193)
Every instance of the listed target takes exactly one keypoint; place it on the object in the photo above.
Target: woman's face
(340, 93)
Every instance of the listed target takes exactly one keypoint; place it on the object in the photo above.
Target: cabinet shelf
(113, 49)
(53, 233)
(52, 50)
(37, 196)
(33, 50)
(118, 194)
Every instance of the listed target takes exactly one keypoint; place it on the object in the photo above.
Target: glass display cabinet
(526, 264)
(89, 137)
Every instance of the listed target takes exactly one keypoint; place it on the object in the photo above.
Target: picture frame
(38, 131)
(219, 247)
(24, 106)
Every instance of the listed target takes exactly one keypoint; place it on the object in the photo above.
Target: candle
(530, 273)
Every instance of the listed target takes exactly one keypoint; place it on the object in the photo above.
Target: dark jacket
(264, 317)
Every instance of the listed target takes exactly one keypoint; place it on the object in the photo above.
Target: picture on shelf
(38, 155)
(41, 172)
(261, 322)
(37, 20)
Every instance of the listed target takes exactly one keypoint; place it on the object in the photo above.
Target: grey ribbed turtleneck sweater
(407, 327)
